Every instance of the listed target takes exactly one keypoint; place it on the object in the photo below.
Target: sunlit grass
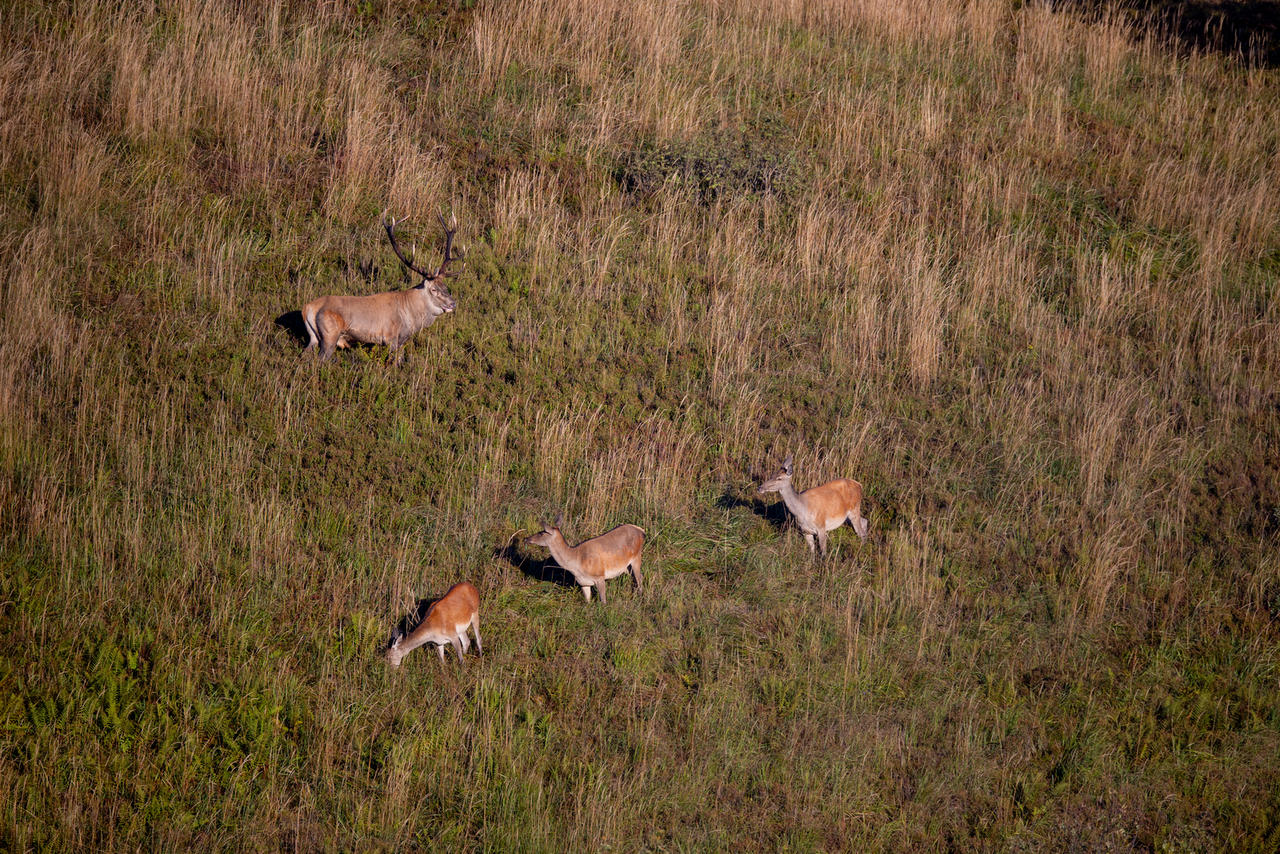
(1013, 269)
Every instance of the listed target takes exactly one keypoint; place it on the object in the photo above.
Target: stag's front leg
(600, 590)
(397, 350)
(808, 538)
(586, 592)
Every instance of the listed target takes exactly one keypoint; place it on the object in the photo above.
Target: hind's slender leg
(635, 573)
(859, 523)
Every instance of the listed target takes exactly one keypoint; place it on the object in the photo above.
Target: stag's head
(439, 300)
(548, 534)
(779, 480)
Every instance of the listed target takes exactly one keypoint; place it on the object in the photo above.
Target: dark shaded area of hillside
(1249, 29)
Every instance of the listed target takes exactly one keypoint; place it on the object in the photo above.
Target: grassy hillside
(1015, 270)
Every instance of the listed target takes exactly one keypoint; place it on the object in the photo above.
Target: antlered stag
(389, 318)
(821, 508)
(446, 622)
(593, 562)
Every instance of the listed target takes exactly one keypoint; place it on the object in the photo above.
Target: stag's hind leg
(331, 326)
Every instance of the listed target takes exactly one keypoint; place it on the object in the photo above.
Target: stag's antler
(450, 228)
(390, 223)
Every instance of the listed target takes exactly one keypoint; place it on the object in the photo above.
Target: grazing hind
(446, 622)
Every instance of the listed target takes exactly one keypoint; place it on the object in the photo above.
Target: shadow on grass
(291, 322)
(539, 569)
(773, 512)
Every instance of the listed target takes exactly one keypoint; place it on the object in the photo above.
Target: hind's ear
(559, 520)
(786, 464)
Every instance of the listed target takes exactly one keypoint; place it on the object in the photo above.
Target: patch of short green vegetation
(720, 166)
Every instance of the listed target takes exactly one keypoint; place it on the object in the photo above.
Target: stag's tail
(309, 320)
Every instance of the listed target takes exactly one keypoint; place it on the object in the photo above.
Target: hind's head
(779, 480)
(395, 653)
(549, 534)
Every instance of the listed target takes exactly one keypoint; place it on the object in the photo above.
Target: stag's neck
(415, 306)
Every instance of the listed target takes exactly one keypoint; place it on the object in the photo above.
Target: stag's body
(446, 622)
(390, 318)
(593, 562)
(820, 509)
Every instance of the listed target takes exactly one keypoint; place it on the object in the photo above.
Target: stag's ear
(786, 464)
